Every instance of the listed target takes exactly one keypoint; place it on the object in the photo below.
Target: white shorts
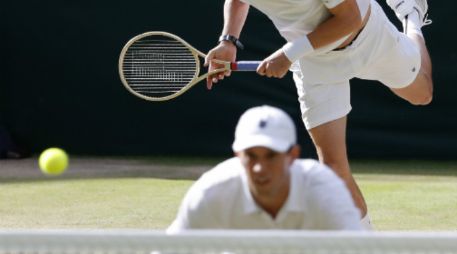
(380, 52)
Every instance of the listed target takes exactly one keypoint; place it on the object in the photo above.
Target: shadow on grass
(405, 167)
(27, 170)
(182, 168)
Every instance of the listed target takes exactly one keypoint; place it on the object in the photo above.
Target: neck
(273, 204)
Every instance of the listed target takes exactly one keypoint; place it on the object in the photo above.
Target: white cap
(265, 126)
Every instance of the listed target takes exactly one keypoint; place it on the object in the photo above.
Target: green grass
(404, 202)
(400, 195)
(409, 195)
(91, 203)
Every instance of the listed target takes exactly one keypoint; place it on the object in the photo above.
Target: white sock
(412, 24)
(366, 223)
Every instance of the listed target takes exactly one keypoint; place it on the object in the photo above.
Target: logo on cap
(262, 124)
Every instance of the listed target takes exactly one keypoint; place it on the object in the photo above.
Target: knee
(423, 98)
(421, 92)
(421, 101)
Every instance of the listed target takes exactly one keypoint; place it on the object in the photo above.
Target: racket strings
(158, 66)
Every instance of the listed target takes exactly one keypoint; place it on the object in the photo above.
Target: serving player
(330, 42)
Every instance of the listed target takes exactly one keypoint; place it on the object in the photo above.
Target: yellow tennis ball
(53, 161)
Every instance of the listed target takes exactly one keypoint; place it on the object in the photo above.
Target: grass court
(144, 193)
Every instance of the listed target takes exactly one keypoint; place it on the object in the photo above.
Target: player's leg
(420, 92)
(330, 142)
(413, 13)
(324, 108)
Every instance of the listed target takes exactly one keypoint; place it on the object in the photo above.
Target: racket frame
(226, 66)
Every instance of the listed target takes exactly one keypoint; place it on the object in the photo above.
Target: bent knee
(418, 93)
(421, 100)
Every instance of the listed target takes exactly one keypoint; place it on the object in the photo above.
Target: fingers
(261, 69)
(271, 70)
(268, 70)
(211, 79)
(223, 52)
(209, 82)
(208, 58)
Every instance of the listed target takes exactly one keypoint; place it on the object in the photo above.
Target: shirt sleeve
(332, 202)
(194, 212)
(181, 222)
(332, 3)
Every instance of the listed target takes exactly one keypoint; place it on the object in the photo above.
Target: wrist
(298, 48)
(227, 38)
(227, 43)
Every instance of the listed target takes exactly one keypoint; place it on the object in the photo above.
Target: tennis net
(224, 242)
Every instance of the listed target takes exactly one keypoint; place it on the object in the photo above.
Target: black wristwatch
(232, 39)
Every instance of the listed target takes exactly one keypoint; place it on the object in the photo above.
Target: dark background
(60, 87)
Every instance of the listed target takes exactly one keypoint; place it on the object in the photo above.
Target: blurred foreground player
(266, 186)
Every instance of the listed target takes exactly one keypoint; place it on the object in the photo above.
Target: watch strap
(232, 39)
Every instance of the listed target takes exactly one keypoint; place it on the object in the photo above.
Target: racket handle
(245, 66)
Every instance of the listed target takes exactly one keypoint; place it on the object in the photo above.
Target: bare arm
(345, 20)
(235, 13)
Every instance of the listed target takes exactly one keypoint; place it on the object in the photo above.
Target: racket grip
(245, 66)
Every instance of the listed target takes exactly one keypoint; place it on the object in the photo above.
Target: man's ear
(294, 152)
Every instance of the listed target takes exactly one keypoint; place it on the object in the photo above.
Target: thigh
(322, 103)
(399, 64)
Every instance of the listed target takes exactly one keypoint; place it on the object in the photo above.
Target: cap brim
(241, 144)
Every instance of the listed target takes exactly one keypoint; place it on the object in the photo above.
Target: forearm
(345, 20)
(334, 29)
(235, 13)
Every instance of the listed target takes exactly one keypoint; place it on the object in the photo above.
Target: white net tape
(224, 242)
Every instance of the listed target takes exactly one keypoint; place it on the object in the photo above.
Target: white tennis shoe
(404, 7)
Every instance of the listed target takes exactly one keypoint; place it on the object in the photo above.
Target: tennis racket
(159, 66)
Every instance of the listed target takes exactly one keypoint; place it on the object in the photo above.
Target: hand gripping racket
(159, 66)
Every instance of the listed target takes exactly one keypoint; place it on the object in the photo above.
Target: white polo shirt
(220, 199)
(297, 18)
